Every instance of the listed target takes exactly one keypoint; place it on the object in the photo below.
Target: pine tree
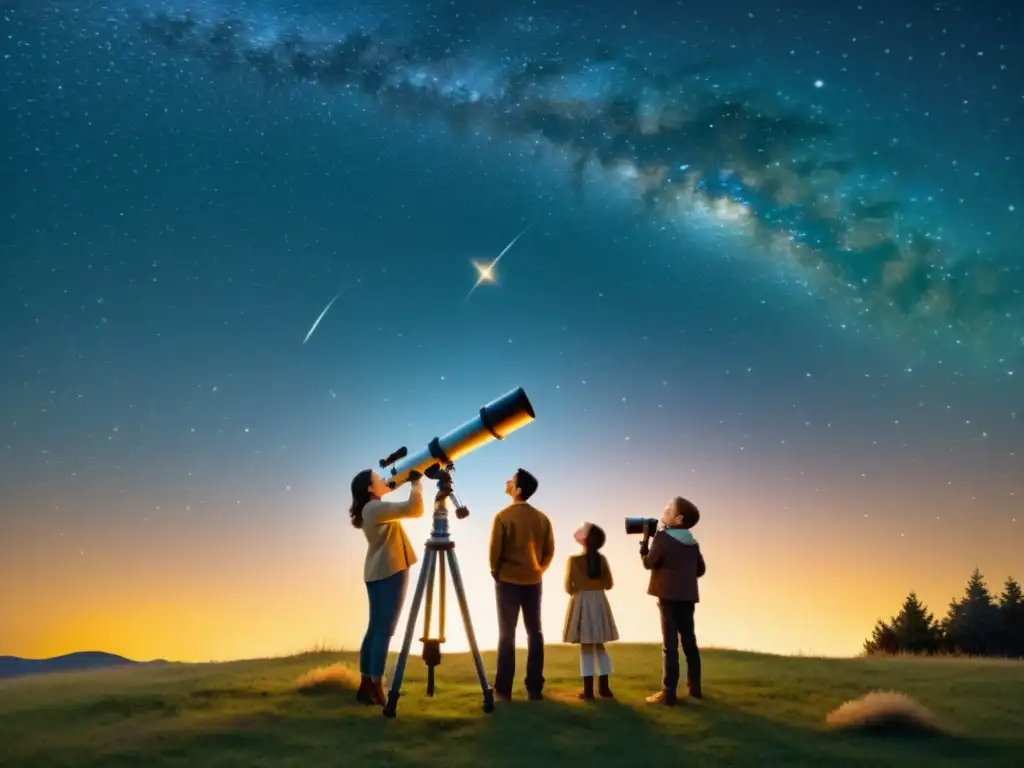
(946, 643)
(882, 641)
(973, 624)
(914, 628)
(1011, 614)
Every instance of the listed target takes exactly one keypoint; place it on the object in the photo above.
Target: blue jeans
(386, 599)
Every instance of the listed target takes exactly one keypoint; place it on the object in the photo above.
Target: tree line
(975, 625)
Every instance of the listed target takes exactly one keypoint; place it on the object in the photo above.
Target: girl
(588, 618)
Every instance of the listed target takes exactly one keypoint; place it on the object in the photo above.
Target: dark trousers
(511, 599)
(677, 629)
(386, 597)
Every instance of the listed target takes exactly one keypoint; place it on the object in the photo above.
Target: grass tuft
(332, 679)
(884, 712)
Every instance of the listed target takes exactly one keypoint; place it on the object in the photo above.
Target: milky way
(787, 183)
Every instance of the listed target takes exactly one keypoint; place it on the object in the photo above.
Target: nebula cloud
(783, 182)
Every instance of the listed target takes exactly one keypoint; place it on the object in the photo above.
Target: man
(522, 547)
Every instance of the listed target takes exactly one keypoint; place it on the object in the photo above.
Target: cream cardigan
(388, 549)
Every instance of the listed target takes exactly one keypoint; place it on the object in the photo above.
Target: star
(485, 272)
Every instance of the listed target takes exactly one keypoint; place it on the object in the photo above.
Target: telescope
(496, 421)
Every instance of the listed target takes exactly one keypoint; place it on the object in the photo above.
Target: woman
(386, 571)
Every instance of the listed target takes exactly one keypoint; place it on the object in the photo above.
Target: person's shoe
(363, 695)
(603, 689)
(502, 696)
(377, 695)
(534, 696)
(666, 698)
(693, 675)
(587, 694)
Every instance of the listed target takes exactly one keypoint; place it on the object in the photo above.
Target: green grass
(758, 711)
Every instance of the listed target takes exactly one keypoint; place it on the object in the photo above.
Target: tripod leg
(426, 576)
(460, 594)
(428, 607)
(427, 611)
(443, 589)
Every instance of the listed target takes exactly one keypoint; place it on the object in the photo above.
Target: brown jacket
(522, 544)
(578, 580)
(675, 563)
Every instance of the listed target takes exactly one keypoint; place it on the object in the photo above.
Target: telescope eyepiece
(387, 461)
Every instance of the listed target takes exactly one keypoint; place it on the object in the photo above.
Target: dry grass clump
(336, 677)
(889, 712)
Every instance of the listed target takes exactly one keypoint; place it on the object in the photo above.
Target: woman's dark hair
(360, 496)
(595, 540)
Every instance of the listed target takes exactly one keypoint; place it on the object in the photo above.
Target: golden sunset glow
(802, 583)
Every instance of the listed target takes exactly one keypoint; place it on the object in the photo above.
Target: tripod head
(443, 478)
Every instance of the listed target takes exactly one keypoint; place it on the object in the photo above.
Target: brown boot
(604, 690)
(363, 695)
(379, 699)
(588, 689)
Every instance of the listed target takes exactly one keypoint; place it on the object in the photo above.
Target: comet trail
(321, 317)
(486, 272)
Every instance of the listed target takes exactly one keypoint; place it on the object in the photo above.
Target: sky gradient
(175, 462)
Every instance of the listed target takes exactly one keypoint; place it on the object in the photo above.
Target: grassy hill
(759, 710)
(13, 666)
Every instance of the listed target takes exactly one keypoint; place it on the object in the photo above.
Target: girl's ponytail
(595, 540)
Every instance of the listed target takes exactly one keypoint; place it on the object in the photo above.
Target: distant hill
(13, 666)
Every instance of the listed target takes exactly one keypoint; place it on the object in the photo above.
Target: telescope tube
(496, 421)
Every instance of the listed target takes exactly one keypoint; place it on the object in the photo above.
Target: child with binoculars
(676, 563)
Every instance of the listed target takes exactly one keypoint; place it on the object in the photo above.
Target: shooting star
(487, 272)
(322, 316)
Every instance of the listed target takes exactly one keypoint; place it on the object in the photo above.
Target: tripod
(438, 551)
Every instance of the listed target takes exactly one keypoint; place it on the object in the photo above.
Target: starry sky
(773, 265)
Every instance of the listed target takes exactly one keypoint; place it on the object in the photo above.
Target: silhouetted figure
(675, 562)
(389, 555)
(522, 547)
